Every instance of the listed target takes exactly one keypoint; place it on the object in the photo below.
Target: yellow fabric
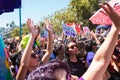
(25, 41)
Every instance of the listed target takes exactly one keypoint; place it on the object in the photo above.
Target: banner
(101, 18)
(4, 67)
(69, 29)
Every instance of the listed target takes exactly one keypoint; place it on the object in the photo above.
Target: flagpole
(20, 23)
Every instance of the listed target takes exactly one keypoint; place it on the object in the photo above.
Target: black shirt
(76, 68)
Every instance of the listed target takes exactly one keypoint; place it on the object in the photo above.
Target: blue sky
(34, 9)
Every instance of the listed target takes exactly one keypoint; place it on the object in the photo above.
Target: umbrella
(9, 5)
(101, 18)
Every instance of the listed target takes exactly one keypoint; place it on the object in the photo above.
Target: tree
(15, 32)
(83, 10)
(78, 11)
(61, 16)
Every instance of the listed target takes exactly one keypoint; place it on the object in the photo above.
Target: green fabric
(9, 77)
(25, 41)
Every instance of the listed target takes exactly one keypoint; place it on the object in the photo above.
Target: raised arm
(102, 57)
(48, 27)
(95, 37)
(25, 59)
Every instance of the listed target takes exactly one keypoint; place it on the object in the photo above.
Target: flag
(78, 28)
(4, 66)
(101, 18)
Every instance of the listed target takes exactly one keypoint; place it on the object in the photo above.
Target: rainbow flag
(4, 67)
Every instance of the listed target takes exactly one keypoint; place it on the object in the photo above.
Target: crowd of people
(94, 56)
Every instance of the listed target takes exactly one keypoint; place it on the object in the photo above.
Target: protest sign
(86, 30)
(69, 30)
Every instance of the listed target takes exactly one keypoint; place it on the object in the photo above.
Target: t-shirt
(76, 68)
(89, 57)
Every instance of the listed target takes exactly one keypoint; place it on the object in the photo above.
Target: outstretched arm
(25, 59)
(48, 27)
(102, 57)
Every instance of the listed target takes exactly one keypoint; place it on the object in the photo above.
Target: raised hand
(111, 13)
(48, 26)
(33, 30)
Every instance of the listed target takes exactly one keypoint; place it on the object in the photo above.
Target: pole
(20, 23)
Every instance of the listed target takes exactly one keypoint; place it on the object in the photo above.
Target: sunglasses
(73, 46)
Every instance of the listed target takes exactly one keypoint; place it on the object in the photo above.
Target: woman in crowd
(30, 61)
(91, 49)
(59, 50)
(73, 60)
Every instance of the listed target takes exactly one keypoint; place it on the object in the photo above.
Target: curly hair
(46, 71)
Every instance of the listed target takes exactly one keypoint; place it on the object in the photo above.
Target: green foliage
(83, 10)
(78, 11)
(15, 32)
(24, 29)
(59, 17)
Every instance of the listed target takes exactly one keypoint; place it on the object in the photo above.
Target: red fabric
(101, 18)
(78, 28)
(6, 53)
(70, 24)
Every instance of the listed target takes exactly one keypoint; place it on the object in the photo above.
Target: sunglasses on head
(73, 46)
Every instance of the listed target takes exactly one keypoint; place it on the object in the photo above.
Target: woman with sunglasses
(76, 65)
(30, 61)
